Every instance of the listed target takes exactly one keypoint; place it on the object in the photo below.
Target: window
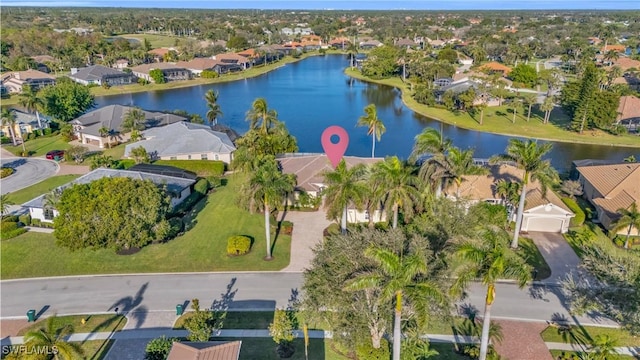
(217, 157)
(203, 157)
(48, 213)
(173, 158)
(188, 157)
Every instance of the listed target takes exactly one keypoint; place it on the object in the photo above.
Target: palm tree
(529, 100)
(397, 186)
(9, 120)
(452, 167)
(51, 337)
(430, 141)
(604, 346)
(4, 204)
(30, 100)
(488, 260)
(344, 186)
(213, 112)
(268, 186)
(397, 276)
(482, 106)
(104, 133)
(260, 116)
(629, 219)
(527, 156)
(547, 106)
(375, 125)
(133, 120)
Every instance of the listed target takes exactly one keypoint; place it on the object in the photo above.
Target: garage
(544, 224)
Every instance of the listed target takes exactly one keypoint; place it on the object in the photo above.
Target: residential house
(15, 81)
(185, 141)
(437, 44)
(309, 170)
(43, 62)
(233, 59)
(87, 126)
(25, 124)
(198, 65)
(161, 54)
(629, 80)
(406, 43)
(609, 188)
(625, 63)
(496, 67)
(629, 112)
(178, 188)
(207, 350)
(370, 44)
(616, 48)
(340, 43)
(101, 75)
(542, 212)
(171, 71)
(120, 64)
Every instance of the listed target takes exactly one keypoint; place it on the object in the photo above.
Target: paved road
(28, 172)
(148, 293)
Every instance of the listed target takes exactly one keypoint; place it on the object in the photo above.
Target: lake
(313, 94)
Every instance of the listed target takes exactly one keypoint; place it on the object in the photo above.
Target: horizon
(354, 5)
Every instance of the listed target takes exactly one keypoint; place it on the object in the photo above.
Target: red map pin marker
(335, 151)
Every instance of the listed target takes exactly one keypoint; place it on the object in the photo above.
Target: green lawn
(624, 338)
(557, 353)
(156, 40)
(96, 349)
(498, 120)
(236, 320)
(40, 146)
(203, 248)
(43, 187)
(93, 323)
(529, 251)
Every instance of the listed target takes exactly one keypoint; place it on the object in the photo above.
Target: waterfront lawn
(498, 120)
(93, 323)
(203, 248)
(43, 187)
(40, 146)
(623, 337)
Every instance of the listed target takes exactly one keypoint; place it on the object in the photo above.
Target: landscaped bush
(201, 187)
(238, 245)
(577, 220)
(25, 219)
(10, 218)
(6, 171)
(8, 226)
(365, 350)
(159, 348)
(47, 131)
(10, 229)
(209, 74)
(203, 168)
(286, 227)
(5, 140)
(36, 222)
(214, 181)
(332, 229)
(125, 163)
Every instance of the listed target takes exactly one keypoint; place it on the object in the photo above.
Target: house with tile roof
(206, 350)
(496, 67)
(629, 112)
(25, 124)
(177, 187)
(171, 71)
(609, 188)
(15, 81)
(616, 48)
(87, 126)
(543, 212)
(309, 170)
(185, 141)
(101, 75)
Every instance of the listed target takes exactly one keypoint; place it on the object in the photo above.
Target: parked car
(56, 155)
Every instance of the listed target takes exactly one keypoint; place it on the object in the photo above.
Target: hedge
(365, 350)
(577, 220)
(201, 187)
(238, 245)
(203, 168)
(6, 171)
(13, 233)
(25, 219)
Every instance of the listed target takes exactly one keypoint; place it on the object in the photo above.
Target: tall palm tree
(267, 187)
(9, 120)
(630, 218)
(30, 100)
(452, 167)
(397, 186)
(104, 133)
(375, 125)
(260, 116)
(344, 186)
(547, 106)
(4, 204)
(527, 156)
(50, 337)
(133, 120)
(488, 259)
(401, 278)
(430, 141)
(213, 108)
(529, 100)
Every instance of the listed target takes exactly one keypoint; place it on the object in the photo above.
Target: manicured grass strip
(43, 187)
(265, 349)
(529, 251)
(498, 120)
(203, 248)
(96, 349)
(446, 351)
(236, 320)
(204, 168)
(40, 146)
(623, 337)
(560, 354)
(93, 323)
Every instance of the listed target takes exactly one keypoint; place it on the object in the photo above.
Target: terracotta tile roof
(208, 350)
(496, 66)
(629, 107)
(606, 178)
(618, 48)
(250, 53)
(159, 51)
(231, 56)
(626, 63)
(198, 63)
(309, 169)
(536, 198)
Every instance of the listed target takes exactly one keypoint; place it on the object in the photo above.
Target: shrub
(201, 187)
(176, 226)
(209, 74)
(383, 225)
(286, 227)
(5, 140)
(25, 219)
(36, 222)
(214, 181)
(365, 350)
(577, 220)
(238, 245)
(13, 233)
(159, 348)
(47, 131)
(10, 218)
(6, 171)
(31, 136)
(124, 164)
(6, 226)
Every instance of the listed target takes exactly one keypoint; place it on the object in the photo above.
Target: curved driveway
(28, 172)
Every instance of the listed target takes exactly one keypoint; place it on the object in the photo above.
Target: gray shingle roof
(183, 138)
(173, 184)
(96, 72)
(112, 116)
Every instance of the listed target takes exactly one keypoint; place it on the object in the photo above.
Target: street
(29, 171)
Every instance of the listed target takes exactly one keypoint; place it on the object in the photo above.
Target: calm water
(313, 94)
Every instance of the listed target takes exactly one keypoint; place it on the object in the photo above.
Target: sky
(344, 5)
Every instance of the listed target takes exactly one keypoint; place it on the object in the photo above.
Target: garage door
(544, 224)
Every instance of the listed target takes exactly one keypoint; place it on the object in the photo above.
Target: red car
(55, 155)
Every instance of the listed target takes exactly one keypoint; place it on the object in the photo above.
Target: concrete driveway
(558, 254)
(308, 227)
(28, 171)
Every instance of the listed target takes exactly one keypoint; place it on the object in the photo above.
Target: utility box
(31, 315)
(179, 309)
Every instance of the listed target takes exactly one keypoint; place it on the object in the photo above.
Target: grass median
(203, 248)
(43, 187)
